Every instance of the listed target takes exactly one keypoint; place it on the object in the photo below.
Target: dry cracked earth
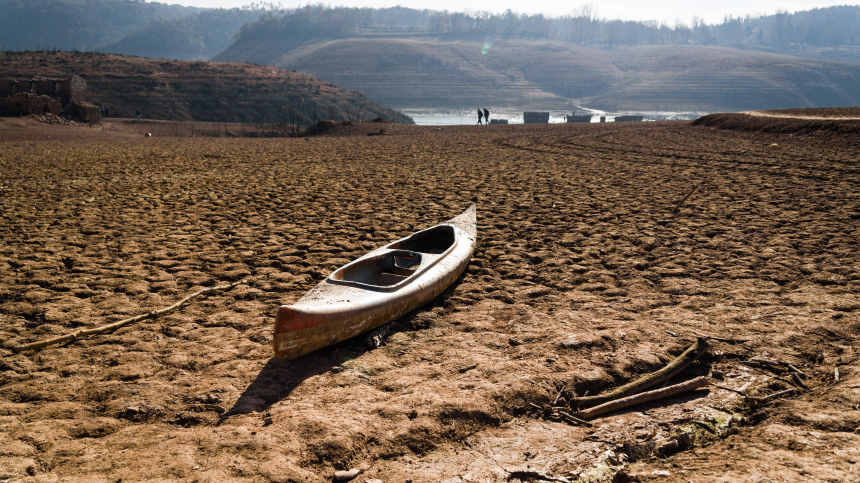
(584, 279)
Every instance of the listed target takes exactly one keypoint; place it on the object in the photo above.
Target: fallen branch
(121, 323)
(573, 418)
(729, 341)
(690, 385)
(559, 395)
(774, 395)
(675, 210)
(679, 364)
(759, 399)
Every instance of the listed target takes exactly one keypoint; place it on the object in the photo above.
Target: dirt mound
(793, 121)
(366, 128)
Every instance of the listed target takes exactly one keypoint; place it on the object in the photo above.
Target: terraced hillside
(432, 72)
(201, 91)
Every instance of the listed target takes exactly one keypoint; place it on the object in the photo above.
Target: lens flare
(488, 43)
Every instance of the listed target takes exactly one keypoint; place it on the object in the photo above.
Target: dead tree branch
(116, 325)
(690, 385)
(679, 364)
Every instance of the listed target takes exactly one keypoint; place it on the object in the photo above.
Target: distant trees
(77, 24)
(196, 37)
(158, 29)
(831, 26)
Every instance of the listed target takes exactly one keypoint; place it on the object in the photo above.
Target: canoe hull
(336, 310)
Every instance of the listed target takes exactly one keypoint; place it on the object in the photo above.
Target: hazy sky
(667, 10)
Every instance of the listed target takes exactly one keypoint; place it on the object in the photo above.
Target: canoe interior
(400, 262)
(433, 240)
(382, 271)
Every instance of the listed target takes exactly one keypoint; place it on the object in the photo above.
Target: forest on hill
(822, 27)
(77, 24)
(147, 29)
(198, 36)
(153, 29)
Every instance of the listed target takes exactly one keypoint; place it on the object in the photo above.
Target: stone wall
(86, 111)
(26, 103)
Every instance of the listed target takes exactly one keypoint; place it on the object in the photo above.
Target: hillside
(201, 91)
(194, 37)
(77, 24)
(428, 71)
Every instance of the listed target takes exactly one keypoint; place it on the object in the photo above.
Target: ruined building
(41, 95)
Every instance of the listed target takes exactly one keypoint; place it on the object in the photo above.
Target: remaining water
(453, 117)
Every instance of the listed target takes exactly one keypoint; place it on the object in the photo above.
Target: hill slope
(425, 71)
(201, 91)
(194, 37)
(77, 24)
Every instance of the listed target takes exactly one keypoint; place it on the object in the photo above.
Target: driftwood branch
(678, 206)
(679, 364)
(690, 385)
(775, 395)
(759, 399)
(573, 418)
(121, 323)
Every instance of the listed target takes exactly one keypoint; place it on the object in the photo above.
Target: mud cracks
(579, 273)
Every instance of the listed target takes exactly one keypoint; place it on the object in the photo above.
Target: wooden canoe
(379, 287)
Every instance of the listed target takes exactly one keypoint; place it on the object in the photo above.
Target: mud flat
(580, 274)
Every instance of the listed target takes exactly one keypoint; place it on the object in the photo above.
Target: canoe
(387, 283)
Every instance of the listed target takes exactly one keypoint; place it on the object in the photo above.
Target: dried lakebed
(580, 271)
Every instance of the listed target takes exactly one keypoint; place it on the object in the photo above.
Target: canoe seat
(435, 240)
(382, 271)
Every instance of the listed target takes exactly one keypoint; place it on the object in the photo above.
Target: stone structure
(25, 97)
(26, 103)
(628, 118)
(498, 121)
(86, 111)
(574, 118)
(535, 117)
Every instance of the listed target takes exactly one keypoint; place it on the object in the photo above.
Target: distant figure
(138, 115)
(486, 116)
(480, 115)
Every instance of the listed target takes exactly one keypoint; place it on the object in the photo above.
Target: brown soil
(580, 272)
(844, 122)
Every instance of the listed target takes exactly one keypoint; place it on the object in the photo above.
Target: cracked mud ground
(580, 271)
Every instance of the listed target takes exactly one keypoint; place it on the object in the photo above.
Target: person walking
(480, 115)
(486, 116)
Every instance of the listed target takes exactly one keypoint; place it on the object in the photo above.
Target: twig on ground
(796, 378)
(555, 401)
(679, 364)
(798, 371)
(678, 206)
(836, 374)
(728, 389)
(758, 399)
(774, 395)
(690, 385)
(121, 323)
(729, 341)
(574, 418)
(704, 426)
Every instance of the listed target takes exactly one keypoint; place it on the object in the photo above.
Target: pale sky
(663, 10)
